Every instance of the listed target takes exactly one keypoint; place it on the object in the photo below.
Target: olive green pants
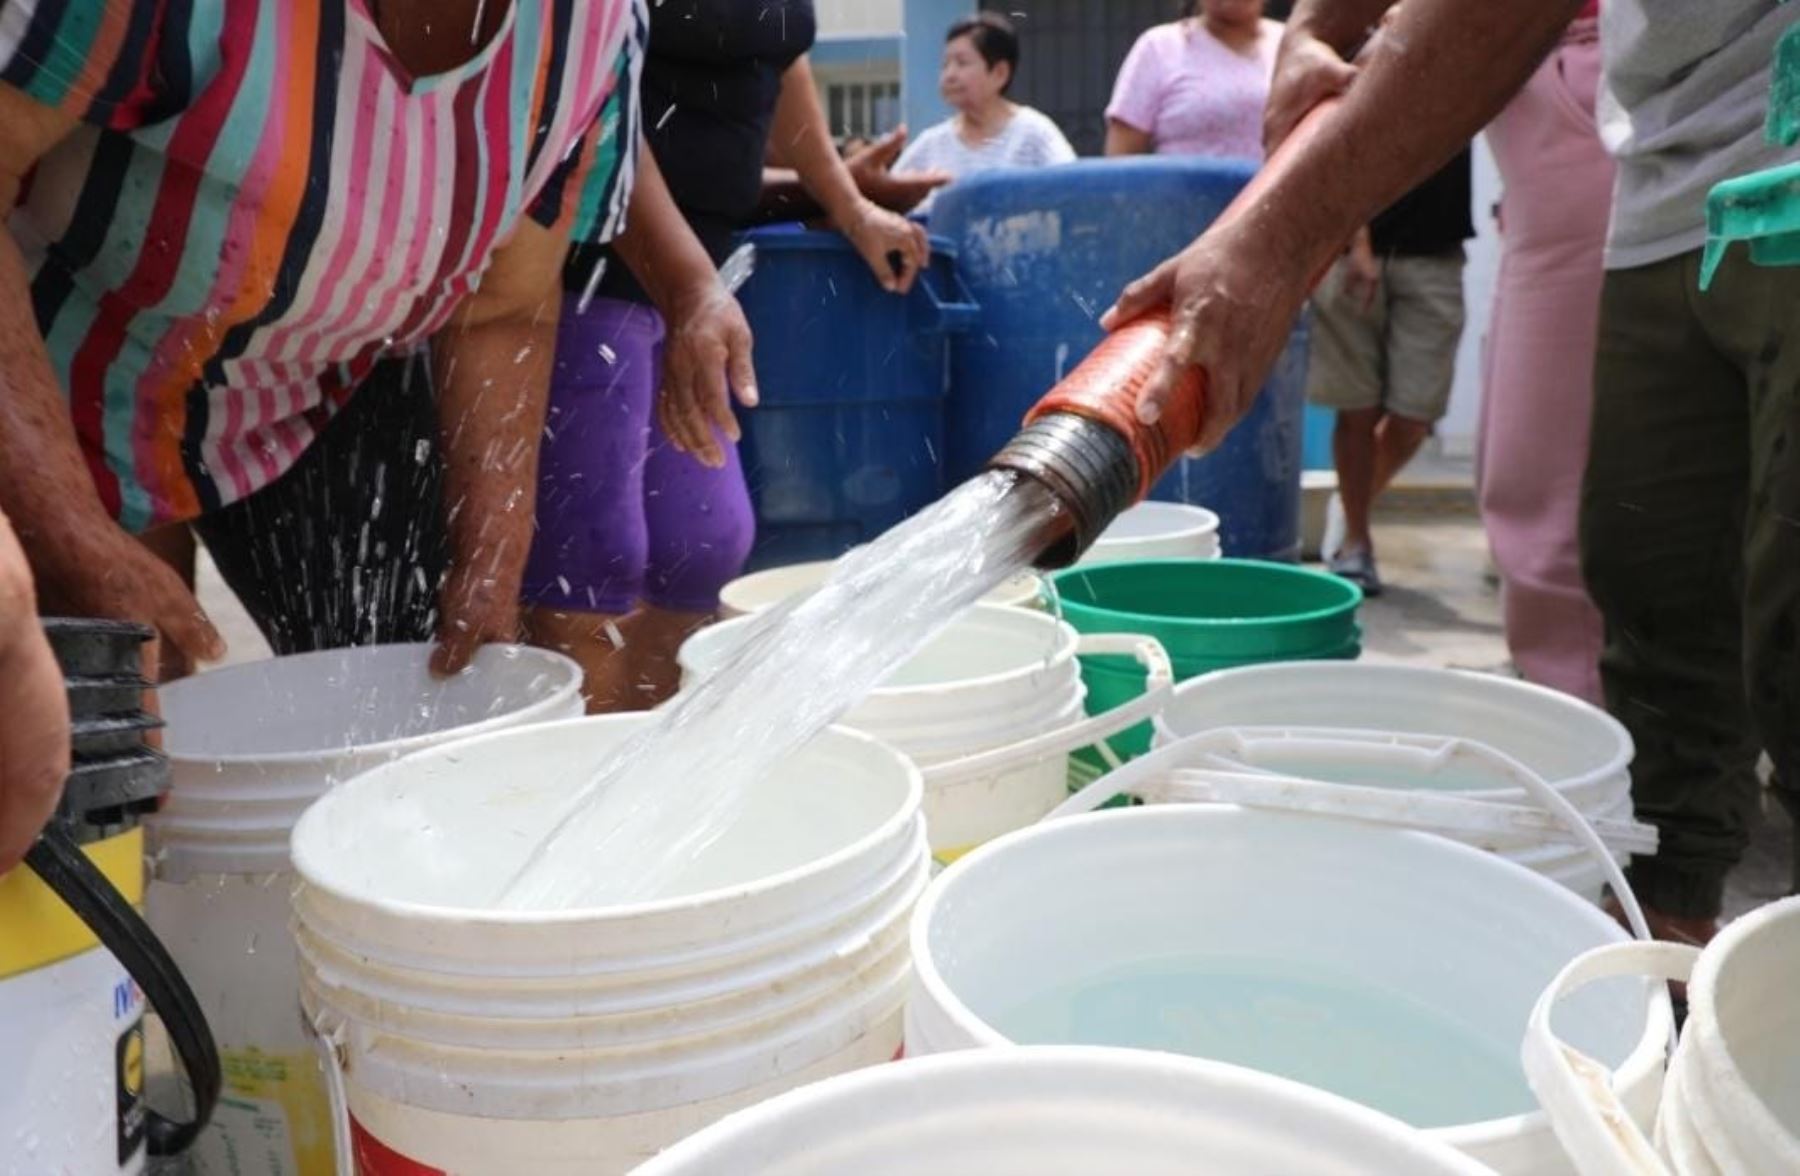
(1690, 540)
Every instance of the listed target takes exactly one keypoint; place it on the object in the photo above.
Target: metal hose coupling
(1085, 444)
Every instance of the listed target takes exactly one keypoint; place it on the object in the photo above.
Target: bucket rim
(560, 695)
(1352, 594)
(1208, 523)
(1064, 654)
(1624, 747)
(890, 828)
(1074, 1064)
(1645, 1055)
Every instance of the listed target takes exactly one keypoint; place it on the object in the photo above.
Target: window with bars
(862, 108)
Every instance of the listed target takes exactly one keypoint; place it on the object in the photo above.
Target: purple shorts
(623, 517)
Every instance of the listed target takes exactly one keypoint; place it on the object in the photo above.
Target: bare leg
(653, 637)
(1353, 451)
(1397, 441)
(593, 640)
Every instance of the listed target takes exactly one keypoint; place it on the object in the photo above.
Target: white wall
(859, 18)
(1456, 434)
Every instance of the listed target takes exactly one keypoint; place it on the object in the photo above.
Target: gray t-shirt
(1029, 139)
(1685, 92)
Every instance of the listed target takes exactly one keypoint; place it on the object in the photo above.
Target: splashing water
(672, 790)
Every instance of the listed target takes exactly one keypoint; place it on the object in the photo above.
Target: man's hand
(88, 566)
(1234, 300)
(895, 248)
(1307, 72)
(706, 361)
(1362, 271)
(871, 168)
(34, 711)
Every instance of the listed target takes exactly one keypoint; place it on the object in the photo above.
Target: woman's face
(1232, 12)
(965, 81)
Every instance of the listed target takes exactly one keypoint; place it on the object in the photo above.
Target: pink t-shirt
(1195, 95)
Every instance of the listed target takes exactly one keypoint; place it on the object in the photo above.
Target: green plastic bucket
(1210, 615)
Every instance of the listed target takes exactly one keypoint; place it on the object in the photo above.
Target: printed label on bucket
(273, 1118)
(375, 1158)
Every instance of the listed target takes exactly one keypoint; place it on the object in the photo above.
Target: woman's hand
(705, 362)
(895, 248)
(872, 168)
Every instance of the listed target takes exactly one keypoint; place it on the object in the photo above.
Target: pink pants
(1540, 361)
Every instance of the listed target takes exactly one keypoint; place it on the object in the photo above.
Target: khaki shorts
(1398, 354)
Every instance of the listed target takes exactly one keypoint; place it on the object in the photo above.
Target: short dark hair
(994, 38)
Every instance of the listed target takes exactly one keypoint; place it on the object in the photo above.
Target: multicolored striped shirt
(261, 202)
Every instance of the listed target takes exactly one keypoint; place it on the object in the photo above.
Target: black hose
(123, 932)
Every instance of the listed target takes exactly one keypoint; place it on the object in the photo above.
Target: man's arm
(84, 562)
(491, 367)
(1429, 82)
(1318, 41)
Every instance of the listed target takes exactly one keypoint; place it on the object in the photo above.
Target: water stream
(674, 789)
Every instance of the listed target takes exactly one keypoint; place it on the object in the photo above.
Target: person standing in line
(988, 130)
(643, 511)
(1687, 530)
(1537, 403)
(287, 273)
(1387, 321)
(1196, 86)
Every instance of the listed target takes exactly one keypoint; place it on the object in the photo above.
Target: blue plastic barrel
(849, 437)
(1044, 251)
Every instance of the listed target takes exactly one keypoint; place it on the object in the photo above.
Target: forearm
(658, 247)
(802, 140)
(1342, 24)
(42, 472)
(785, 198)
(1428, 85)
(493, 389)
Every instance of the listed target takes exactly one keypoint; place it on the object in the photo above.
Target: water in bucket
(658, 803)
(1345, 1036)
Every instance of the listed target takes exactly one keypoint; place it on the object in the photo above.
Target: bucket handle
(1139, 777)
(952, 315)
(1148, 652)
(329, 1042)
(1577, 1092)
(74, 879)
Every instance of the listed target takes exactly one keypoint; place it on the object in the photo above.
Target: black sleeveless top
(710, 84)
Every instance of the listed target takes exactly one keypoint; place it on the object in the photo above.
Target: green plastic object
(1763, 208)
(1210, 615)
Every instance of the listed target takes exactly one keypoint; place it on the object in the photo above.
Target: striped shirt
(260, 202)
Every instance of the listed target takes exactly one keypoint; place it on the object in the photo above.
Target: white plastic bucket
(1058, 1111)
(1158, 530)
(487, 1041)
(1387, 965)
(771, 586)
(250, 747)
(1578, 749)
(989, 709)
(1451, 786)
(1731, 1103)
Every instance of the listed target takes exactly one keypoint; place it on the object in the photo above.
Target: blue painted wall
(921, 50)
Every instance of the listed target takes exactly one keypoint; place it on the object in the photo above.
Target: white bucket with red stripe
(250, 747)
(470, 1039)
